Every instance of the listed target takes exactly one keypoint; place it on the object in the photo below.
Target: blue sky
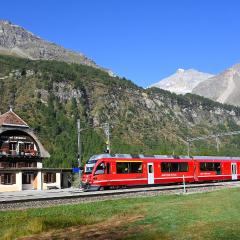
(142, 40)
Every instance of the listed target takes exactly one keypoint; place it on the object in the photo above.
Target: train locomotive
(123, 170)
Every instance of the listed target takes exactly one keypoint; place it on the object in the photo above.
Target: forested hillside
(51, 95)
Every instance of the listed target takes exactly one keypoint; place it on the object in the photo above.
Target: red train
(105, 171)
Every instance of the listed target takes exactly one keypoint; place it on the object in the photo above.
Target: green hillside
(52, 95)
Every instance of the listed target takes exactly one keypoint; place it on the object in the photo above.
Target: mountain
(224, 87)
(183, 81)
(16, 41)
(50, 96)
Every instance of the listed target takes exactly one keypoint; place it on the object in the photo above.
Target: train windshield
(90, 165)
(91, 161)
(88, 170)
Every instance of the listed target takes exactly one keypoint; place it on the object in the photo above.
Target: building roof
(12, 119)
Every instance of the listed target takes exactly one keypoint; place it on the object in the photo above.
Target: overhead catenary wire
(213, 136)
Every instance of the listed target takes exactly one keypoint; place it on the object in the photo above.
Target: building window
(129, 167)
(8, 178)
(49, 177)
(174, 167)
(26, 178)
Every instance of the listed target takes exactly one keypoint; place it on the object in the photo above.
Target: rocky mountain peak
(180, 70)
(236, 67)
(13, 37)
(182, 81)
(223, 87)
(4, 22)
(17, 41)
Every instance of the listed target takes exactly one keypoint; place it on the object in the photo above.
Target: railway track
(75, 196)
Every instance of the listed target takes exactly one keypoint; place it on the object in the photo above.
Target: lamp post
(79, 152)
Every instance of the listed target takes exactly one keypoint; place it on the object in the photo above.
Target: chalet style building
(21, 157)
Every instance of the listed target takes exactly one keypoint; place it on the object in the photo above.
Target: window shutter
(2, 178)
(54, 177)
(13, 178)
(45, 178)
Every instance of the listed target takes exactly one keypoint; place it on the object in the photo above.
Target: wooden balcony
(13, 153)
(14, 165)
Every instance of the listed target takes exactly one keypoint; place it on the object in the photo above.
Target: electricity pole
(106, 129)
(217, 143)
(79, 152)
(188, 146)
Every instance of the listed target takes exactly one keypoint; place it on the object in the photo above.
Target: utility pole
(79, 152)
(188, 146)
(106, 129)
(217, 143)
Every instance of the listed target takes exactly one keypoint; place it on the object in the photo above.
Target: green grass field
(214, 215)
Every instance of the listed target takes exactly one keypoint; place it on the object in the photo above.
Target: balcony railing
(4, 165)
(14, 153)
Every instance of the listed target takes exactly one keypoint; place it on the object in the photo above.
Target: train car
(217, 168)
(133, 170)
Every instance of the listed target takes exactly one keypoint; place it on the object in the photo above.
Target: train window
(211, 166)
(108, 168)
(122, 167)
(129, 167)
(165, 167)
(183, 167)
(174, 167)
(135, 167)
(100, 169)
(150, 169)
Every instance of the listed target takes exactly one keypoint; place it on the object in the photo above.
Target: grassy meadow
(214, 215)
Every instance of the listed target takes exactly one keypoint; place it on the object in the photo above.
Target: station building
(21, 158)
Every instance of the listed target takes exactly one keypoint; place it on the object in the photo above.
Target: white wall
(40, 184)
(9, 188)
(19, 181)
(39, 180)
(39, 165)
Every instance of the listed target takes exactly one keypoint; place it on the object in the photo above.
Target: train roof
(215, 157)
(143, 156)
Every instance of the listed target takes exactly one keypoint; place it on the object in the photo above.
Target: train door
(234, 171)
(150, 173)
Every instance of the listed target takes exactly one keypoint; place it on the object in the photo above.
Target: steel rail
(94, 194)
